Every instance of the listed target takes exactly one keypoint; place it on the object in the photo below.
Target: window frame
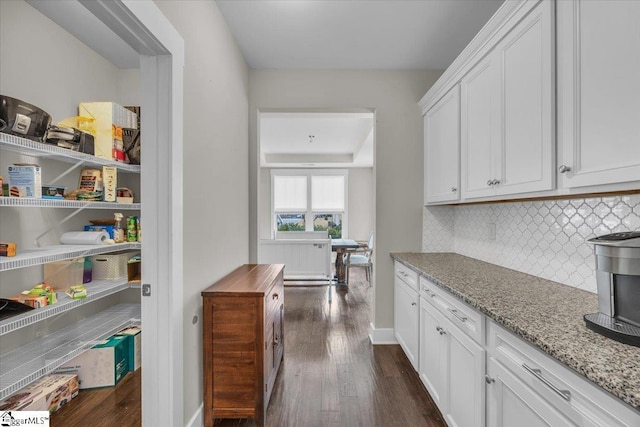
(309, 213)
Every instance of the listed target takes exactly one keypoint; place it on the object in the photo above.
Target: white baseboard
(197, 419)
(381, 335)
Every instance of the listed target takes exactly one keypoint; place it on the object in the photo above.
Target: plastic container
(62, 274)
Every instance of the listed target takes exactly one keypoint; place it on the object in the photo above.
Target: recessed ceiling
(378, 34)
(303, 139)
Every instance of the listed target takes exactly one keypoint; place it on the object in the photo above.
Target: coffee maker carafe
(618, 281)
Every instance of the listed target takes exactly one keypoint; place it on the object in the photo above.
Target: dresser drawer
(409, 276)
(460, 314)
(576, 398)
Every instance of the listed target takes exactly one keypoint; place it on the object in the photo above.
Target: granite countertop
(546, 314)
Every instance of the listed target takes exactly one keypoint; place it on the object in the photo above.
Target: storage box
(110, 266)
(134, 337)
(103, 365)
(47, 394)
(25, 181)
(7, 249)
(35, 301)
(134, 271)
(63, 274)
(110, 118)
(53, 192)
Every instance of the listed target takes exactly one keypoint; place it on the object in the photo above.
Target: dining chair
(360, 257)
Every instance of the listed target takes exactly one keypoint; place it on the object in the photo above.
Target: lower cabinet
(406, 314)
(243, 342)
(510, 402)
(452, 367)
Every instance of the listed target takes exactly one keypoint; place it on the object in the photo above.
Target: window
(308, 200)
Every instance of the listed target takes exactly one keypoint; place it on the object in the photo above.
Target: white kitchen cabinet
(510, 402)
(433, 354)
(452, 367)
(442, 149)
(406, 315)
(507, 112)
(527, 387)
(598, 88)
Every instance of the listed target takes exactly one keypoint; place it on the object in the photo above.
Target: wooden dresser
(243, 329)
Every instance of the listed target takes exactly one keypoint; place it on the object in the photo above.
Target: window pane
(290, 193)
(327, 193)
(328, 221)
(290, 222)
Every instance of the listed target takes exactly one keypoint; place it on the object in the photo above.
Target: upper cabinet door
(479, 128)
(598, 92)
(442, 149)
(526, 146)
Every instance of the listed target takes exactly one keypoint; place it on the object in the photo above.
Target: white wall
(360, 203)
(398, 173)
(543, 238)
(215, 167)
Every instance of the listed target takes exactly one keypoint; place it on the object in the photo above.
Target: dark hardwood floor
(331, 375)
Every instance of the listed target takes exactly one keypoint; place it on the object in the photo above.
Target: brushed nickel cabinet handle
(489, 182)
(565, 394)
(564, 169)
(488, 379)
(458, 316)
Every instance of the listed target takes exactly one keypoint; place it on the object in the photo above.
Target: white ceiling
(344, 34)
(354, 34)
(302, 139)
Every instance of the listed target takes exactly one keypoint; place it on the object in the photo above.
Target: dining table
(340, 246)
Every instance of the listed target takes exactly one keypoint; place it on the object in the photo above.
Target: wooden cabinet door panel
(598, 91)
(526, 149)
(442, 149)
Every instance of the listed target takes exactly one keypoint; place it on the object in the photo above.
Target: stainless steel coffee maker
(618, 280)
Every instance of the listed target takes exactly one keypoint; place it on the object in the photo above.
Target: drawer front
(274, 299)
(409, 276)
(579, 400)
(460, 314)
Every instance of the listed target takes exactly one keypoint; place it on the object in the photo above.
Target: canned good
(132, 229)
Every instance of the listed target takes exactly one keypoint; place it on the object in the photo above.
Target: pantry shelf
(45, 254)
(73, 204)
(96, 290)
(39, 149)
(32, 361)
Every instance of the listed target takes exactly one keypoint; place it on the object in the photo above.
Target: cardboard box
(7, 249)
(110, 119)
(50, 393)
(134, 271)
(35, 301)
(134, 336)
(103, 365)
(25, 181)
(110, 182)
(63, 274)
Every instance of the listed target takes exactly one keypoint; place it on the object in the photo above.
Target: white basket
(110, 266)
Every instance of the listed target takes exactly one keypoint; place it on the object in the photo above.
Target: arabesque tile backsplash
(543, 238)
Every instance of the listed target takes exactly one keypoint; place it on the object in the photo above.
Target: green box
(103, 365)
(134, 338)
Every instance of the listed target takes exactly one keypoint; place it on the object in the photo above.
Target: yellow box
(110, 118)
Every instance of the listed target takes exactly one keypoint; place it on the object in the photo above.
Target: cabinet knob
(564, 169)
(443, 332)
(413, 303)
(275, 296)
(454, 189)
(496, 181)
(488, 379)
(438, 328)
(489, 182)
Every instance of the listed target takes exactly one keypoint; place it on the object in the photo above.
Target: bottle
(118, 232)
(139, 226)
